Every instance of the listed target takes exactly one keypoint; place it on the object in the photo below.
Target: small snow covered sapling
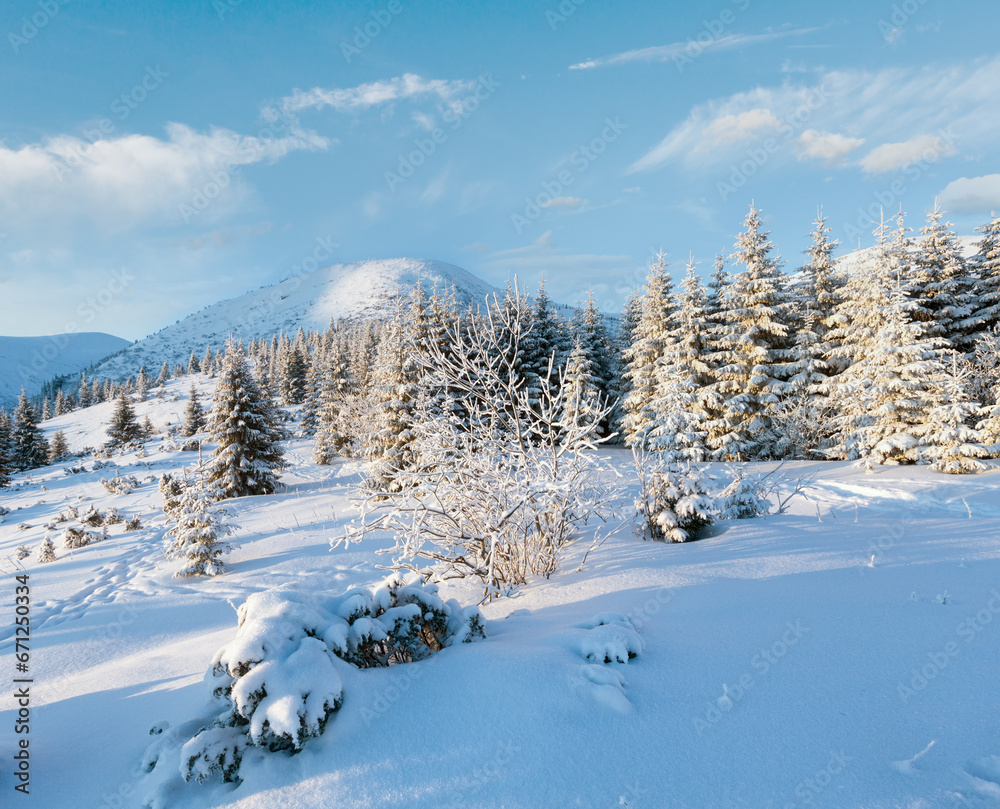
(22, 552)
(46, 550)
(673, 502)
(743, 498)
(198, 533)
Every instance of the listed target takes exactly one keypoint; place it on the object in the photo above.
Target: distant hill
(27, 362)
(310, 300)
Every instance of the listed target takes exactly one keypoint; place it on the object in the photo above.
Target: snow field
(844, 654)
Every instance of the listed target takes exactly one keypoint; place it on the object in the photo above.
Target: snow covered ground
(843, 654)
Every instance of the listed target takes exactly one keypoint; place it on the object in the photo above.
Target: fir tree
(141, 384)
(83, 392)
(46, 550)
(758, 342)
(29, 448)
(953, 446)
(60, 404)
(244, 426)
(164, 376)
(582, 402)
(656, 322)
(58, 449)
(986, 269)
(194, 415)
(198, 533)
(46, 409)
(333, 390)
(940, 285)
(193, 365)
(6, 449)
(123, 427)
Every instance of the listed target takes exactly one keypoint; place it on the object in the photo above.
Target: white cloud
(562, 202)
(895, 156)
(827, 146)
(373, 94)
(122, 181)
(886, 106)
(730, 128)
(686, 50)
(972, 194)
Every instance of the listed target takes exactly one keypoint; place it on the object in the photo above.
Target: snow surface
(27, 362)
(308, 299)
(765, 662)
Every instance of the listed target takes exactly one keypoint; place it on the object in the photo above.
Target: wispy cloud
(679, 50)
(828, 146)
(569, 203)
(895, 156)
(896, 110)
(374, 94)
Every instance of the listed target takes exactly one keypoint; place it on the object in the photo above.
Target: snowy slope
(842, 655)
(308, 300)
(27, 362)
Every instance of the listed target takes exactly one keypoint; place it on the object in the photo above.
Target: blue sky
(157, 158)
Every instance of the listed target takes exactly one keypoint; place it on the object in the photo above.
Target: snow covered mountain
(27, 362)
(308, 300)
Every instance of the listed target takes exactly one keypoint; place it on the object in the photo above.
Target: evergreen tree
(58, 450)
(986, 269)
(197, 535)
(83, 392)
(6, 449)
(333, 390)
(243, 424)
(123, 427)
(954, 447)
(582, 401)
(141, 384)
(656, 322)
(29, 449)
(193, 365)
(60, 405)
(758, 345)
(46, 409)
(397, 377)
(207, 365)
(46, 550)
(194, 414)
(940, 285)
(164, 376)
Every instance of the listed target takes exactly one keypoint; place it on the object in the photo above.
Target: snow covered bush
(22, 552)
(744, 497)
(46, 550)
(497, 482)
(673, 501)
(120, 485)
(276, 684)
(198, 533)
(79, 538)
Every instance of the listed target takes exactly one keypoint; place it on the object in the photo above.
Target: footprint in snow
(605, 639)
